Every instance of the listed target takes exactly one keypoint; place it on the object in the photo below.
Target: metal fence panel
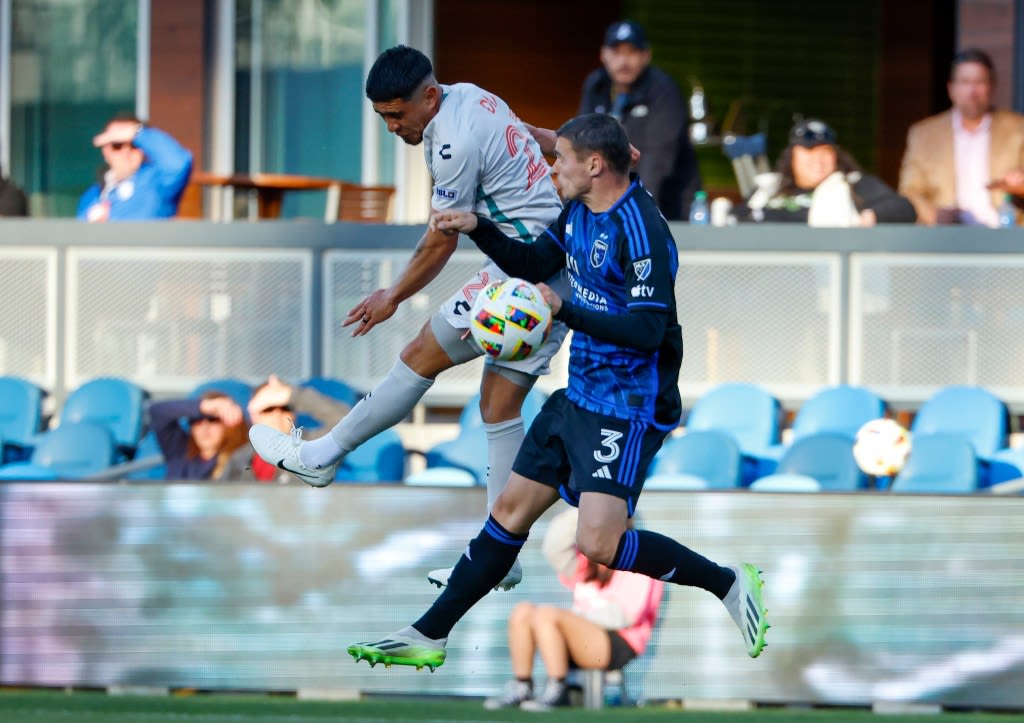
(28, 324)
(171, 318)
(773, 318)
(918, 322)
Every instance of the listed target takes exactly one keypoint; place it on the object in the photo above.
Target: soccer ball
(881, 447)
(510, 319)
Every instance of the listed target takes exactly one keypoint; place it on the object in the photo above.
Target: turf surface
(89, 707)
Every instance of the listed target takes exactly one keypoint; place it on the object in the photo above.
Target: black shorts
(621, 652)
(575, 451)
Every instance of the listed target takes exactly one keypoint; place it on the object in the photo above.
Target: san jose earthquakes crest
(599, 251)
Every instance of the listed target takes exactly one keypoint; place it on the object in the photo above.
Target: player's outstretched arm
(534, 262)
(431, 254)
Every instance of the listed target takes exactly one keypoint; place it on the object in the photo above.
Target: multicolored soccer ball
(881, 447)
(510, 319)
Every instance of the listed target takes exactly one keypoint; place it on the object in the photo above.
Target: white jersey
(483, 159)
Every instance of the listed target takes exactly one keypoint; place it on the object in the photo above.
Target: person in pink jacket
(610, 623)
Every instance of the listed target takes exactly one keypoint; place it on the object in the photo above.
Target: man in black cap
(648, 103)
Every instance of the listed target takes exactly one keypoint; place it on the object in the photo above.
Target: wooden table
(270, 189)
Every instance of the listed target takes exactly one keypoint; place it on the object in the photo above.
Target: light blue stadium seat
(329, 387)
(843, 409)
(939, 464)
(468, 451)
(786, 483)
(111, 402)
(21, 415)
(969, 412)
(703, 459)
(1005, 465)
(74, 450)
(381, 458)
(749, 413)
(826, 458)
(149, 449)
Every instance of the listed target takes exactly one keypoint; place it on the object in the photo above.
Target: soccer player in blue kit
(592, 442)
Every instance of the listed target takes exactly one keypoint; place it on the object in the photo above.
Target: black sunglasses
(118, 145)
(282, 408)
(205, 418)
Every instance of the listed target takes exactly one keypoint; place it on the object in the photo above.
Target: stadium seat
(468, 451)
(969, 412)
(843, 409)
(749, 413)
(826, 458)
(149, 451)
(329, 387)
(74, 450)
(112, 402)
(238, 390)
(939, 464)
(379, 459)
(1005, 465)
(706, 459)
(21, 416)
(786, 483)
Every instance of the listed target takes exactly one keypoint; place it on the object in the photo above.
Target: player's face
(970, 90)
(573, 173)
(408, 118)
(811, 166)
(624, 62)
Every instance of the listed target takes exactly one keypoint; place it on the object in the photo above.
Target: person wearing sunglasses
(146, 173)
(278, 404)
(816, 182)
(201, 448)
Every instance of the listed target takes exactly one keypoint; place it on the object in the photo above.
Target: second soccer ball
(510, 319)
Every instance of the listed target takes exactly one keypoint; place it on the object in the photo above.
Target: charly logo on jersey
(599, 251)
(641, 292)
(449, 193)
(446, 151)
(642, 269)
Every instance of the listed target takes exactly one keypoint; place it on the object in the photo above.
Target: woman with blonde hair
(216, 428)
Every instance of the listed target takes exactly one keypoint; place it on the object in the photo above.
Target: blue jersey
(619, 261)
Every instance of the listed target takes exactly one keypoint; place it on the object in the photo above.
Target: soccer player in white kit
(482, 158)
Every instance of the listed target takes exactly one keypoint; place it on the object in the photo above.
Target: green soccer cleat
(745, 602)
(402, 649)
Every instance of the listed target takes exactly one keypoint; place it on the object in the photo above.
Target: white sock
(503, 442)
(388, 404)
(410, 632)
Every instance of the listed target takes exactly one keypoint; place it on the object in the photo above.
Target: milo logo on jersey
(590, 299)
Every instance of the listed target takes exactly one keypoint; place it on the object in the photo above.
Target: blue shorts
(575, 451)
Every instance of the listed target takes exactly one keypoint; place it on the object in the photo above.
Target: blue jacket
(154, 190)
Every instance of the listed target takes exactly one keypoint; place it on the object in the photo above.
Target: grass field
(87, 707)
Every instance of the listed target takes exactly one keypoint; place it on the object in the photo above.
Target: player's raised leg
(315, 462)
(486, 561)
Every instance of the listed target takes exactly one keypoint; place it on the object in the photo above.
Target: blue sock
(663, 558)
(487, 560)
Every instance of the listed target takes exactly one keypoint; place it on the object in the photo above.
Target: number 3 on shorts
(610, 441)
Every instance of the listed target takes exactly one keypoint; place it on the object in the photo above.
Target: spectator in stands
(612, 616)
(13, 201)
(818, 183)
(648, 103)
(956, 161)
(276, 404)
(216, 429)
(147, 171)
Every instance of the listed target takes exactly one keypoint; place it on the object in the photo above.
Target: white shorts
(455, 313)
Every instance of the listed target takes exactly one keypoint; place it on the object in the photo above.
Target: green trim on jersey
(498, 216)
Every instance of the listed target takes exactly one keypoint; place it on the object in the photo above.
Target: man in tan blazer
(957, 162)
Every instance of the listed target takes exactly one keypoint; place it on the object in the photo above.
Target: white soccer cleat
(745, 603)
(513, 578)
(406, 647)
(282, 451)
